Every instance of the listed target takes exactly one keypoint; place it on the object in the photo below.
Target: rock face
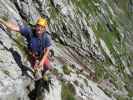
(13, 84)
(93, 46)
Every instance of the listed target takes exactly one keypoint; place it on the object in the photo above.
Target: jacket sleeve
(48, 41)
(26, 32)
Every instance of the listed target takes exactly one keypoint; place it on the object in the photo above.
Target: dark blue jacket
(36, 44)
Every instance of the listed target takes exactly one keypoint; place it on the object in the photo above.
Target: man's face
(39, 30)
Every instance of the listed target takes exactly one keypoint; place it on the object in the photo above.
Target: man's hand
(10, 25)
(38, 65)
(41, 65)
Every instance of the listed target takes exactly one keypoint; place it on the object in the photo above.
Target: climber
(38, 40)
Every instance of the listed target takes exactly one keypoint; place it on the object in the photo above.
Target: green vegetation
(68, 91)
(5, 18)
(108, 37)
(109, 93)
(87, 6)
(66, 69)
(123, 5)
(20, 44)
(130, 92)
(99, 72)
(129, 86)
(122, 98)
(54, 11)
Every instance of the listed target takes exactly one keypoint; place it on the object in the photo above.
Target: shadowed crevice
(18, 60)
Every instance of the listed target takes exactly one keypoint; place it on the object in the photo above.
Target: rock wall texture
(92, 43)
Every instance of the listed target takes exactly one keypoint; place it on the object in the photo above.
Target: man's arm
(10, 25)
(46, 52)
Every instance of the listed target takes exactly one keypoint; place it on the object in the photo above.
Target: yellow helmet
(42, 21)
